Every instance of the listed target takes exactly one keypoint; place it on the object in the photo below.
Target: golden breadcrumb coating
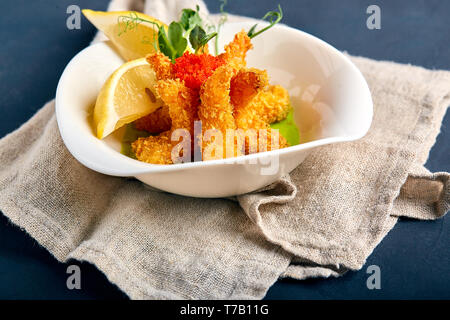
(161, 64)
(246, 84)
(228, 144)
(259, 140)
(265, 140)
(215, 110)
(276, 104)
(237, 49)
(154, 149)
(182, 107)
(156, 122)
(266, 107)
(182, 102)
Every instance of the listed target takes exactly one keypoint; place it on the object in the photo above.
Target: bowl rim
(136, 167)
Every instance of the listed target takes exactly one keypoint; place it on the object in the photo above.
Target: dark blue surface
(36, 45)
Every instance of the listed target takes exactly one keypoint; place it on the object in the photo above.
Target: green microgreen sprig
(198, 38)
(273, 17)
(129, 22)
(172, 44)
(190, 19)
(189, 29)
(193, 26)
(222, 20)
(132, 21)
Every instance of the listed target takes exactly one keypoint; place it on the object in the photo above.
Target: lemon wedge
(132, 37)
(127, 95)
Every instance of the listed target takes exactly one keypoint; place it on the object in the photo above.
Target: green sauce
(288, 129)
(130, 135)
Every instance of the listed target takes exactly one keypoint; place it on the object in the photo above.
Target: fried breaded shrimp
(246, 84)
(259, 140)
(215, 110)
(161, 64)
(235, 106)
(219, 146)
(182, 102)
(213, 145)
(266, 107)
(237, 48)
(181, 105)
(276, 104)
(154, 149)
(156, 122)
(265, 138)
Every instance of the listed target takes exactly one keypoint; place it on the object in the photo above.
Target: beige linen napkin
(322, 220)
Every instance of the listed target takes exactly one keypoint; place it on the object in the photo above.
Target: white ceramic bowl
(331, 101)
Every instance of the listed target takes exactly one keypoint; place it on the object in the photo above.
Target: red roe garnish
(194, 69)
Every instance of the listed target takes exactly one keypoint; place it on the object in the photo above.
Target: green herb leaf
(176, 38)
(198, 37)
(173, 44)
(197, 34)
(195, 20)
(185, 18)
(252, 30)
(164, 44)
(206, 38)
(190, 19)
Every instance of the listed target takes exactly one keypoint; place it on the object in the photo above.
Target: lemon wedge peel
(132, 37)
(123, 97)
